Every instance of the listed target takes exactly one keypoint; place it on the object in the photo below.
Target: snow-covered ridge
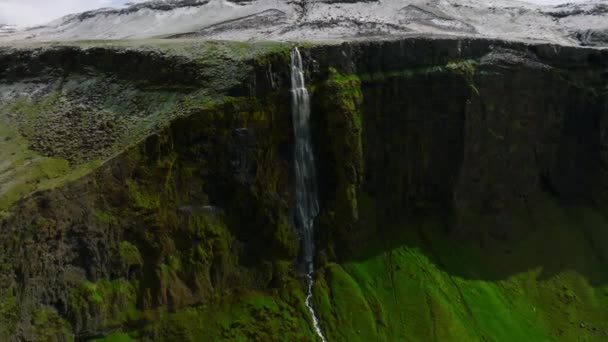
(570, 24)
(5, 29)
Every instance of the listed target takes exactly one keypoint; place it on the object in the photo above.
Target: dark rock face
(268, 19)
(593, 37)
(115, 234)
(122, 63)
(481, 134)
(567, 10)
(120, 222)
(201, 210)
(161, 6)
(412, 14)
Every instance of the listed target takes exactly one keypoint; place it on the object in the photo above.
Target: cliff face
(197, 208)
(147, 192)
(459, 127)
(464, 191)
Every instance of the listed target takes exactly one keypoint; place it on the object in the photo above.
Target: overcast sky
(36, 12)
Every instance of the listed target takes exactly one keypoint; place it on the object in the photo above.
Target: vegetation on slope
(416, 282)
(98, 98)
(443, 218)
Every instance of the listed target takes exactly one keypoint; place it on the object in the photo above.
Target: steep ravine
(463, 192)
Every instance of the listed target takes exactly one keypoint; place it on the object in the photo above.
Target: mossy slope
(66, 109)
(417, 283)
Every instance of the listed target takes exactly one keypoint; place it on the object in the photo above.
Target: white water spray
(307, 198)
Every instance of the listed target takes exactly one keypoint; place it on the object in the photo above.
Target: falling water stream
(307, 196)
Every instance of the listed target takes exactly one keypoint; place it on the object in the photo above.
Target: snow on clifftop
(5, 29)
(570, 24)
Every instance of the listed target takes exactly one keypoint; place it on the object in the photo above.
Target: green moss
(41, 224)
(49, 326)
(115, 337)
(284, 236)
(141, 196)
(112, 303)
(92, 294)
(129, 254)
(30, 111)
(266, 174)
(416, 283)
(23, 171)
(341, 144)
(104, 217)
(241, 317)
(465, 67)
(210, 274)
(27, 123)
(181, 251)
(341, 302)
(9, 304)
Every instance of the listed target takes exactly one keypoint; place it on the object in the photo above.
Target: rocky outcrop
(593, 37)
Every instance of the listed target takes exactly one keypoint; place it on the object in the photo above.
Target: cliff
(146, 191)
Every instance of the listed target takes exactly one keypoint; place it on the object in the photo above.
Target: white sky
(36, 12)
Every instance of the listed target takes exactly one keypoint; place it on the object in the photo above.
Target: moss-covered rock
(417, 283)
(462, 186)
(341, 149)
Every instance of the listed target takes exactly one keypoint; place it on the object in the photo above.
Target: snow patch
(568, 24)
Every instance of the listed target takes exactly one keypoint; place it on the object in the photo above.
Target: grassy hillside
(418, 283)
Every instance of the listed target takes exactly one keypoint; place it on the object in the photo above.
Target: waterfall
(307, 195)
